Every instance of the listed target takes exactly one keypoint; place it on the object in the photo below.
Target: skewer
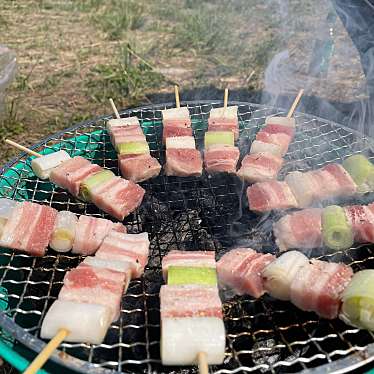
(177, 101)
(295, 103)
(226, 98)
(115, 110)
(22, 148)
(202, 363)
(47, 351)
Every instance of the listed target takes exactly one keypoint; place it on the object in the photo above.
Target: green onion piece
(361, 170)
(92, 181)
(133, 148)
(337, 233)
(219, 137)
(178, 275)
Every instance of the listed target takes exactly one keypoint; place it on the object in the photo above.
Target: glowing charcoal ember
(179, 275)
(224, 119)
(94, 285)
(117, 197)
(116, 265)
(304, 187)
(278, 275)
(278, 129)
(281, 121)
(6, 211)
(213, 138)
(281, 140)
(318, 287)
(260, 147)
(29, 228)
(221, 159)
(241, 269)
(181, 142)
(358, 301)
(260, 167)
(183, 338)
(362, 172)
(42, 166)
(63, 235)
(90, 233)
(179, 301)
(131, 248)
(183, 162)
(78, 318)
(301, 230)
(188, 258)
(72, 172)
(270, 195)
(361, 219)
(92, 181)
(133, 148)
(139, 168)
(337, 233)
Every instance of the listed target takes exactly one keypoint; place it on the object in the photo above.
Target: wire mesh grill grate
(189, 213)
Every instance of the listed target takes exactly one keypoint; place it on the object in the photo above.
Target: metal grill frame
(331, 145)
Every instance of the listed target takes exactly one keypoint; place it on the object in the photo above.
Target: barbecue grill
(209, 212)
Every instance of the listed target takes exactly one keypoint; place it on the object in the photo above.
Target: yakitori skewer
(87, 181)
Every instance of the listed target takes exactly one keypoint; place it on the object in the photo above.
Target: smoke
(334, 63)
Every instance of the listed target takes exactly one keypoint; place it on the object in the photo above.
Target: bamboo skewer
(295, 103)
(22, 148)
(177, 101)
(47, 351)
(202, 363)
(115, 110)
(225, 98)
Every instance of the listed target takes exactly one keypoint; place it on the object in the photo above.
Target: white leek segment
(259, 147)
(6, 211)
(283, 121)
(64, 231)
(183, 338)
(87, 323)
(175, 113)
(229, 112)
(302, 186)
(218, 138)
(181, 142)
(122, 122)
(43, 166)
(358, 301)
(279, 274)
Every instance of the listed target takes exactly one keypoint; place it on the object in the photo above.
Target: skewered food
(191, 322)
(358, 301)
(178, 275)
(281, 140)
(92, 181)
(79, 319)
(318, 287)
(224, 119)
(362, 172)
(6, 211)
(182, 159)
(241, 268)
(258, 146)
(279, 274)
(361, 219)
(176, 122)
(42, 166)
(336, 231)
(63, 234)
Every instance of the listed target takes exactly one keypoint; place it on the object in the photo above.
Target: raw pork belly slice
(318, 286)
(281, 140)
(281, 121)
(224, 125)
(241, 269)
(279, 129)
(90, 233)
(176, 128)
(221, 158)
(71, 173)
(361, 218)
(118, 197)
(302, 229)
(94, 285)
(133, 248)
(139, 168)
(270, 195)
(188, 258)
(259, 147)
(183, 162)
(260, 167)
(190, 301)
(29, 228)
